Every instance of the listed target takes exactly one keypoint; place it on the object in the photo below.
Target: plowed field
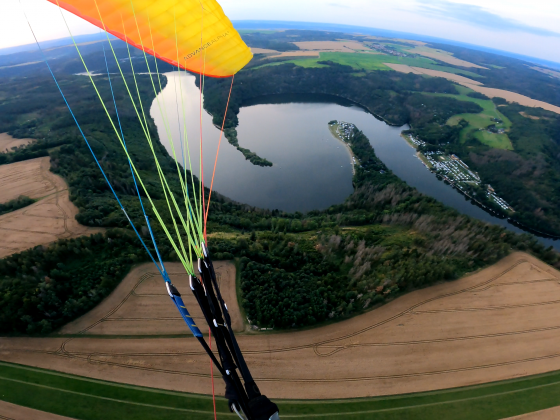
(496, 324)
(49, 219)
(7, 142)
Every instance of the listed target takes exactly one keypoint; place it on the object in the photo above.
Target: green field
(482, 120)
(90, 399)
(370, 61)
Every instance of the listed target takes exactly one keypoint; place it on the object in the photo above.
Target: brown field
(462, 80)
(402, 68)
(421, 341)
(276, 54)
(478, 87)
(548, 414)
(263, 51)
(313, 48)
(334, 46)
(7, 142)
(296, 54)
(140, 305)
(532, 117)
(551, 73)
(443, 56)
(406, 41)
(17, 412)
(514, 97)
(49, 219)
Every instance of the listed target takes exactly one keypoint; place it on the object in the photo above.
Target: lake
(311, 169)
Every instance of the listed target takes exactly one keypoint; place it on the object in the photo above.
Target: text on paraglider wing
(209, 43)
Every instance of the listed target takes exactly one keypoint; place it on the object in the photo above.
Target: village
(453, 170)
(343, 131)
(387, 50)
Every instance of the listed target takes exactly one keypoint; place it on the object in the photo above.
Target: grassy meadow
(371, 61)
(91, 399)
(481, 121)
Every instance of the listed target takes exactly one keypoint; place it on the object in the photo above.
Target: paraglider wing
(193, 34)
(196, 36)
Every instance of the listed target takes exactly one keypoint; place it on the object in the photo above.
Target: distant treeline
(382, 92)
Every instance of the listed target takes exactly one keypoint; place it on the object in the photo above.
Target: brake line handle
(262, 408)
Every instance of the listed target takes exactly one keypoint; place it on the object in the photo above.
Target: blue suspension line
(164, 274)
(173, 293)
(89, 146)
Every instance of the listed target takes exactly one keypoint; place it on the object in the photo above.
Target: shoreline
(476, 202)
(347, 146)
(419, 154)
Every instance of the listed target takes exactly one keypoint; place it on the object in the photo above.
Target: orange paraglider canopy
(195, 35)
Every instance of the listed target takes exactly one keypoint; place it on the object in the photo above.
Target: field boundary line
(381, 410)
(104, 382)
(188, 410)
(348, 413)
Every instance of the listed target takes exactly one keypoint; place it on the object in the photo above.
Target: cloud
(338, 5)
(476, 15)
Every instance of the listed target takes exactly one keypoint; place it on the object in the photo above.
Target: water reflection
(311, 169)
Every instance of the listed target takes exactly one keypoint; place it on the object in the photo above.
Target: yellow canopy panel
(193, 34)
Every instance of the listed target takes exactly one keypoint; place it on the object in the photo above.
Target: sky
(524, 27)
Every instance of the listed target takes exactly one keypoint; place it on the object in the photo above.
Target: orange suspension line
(216, 160)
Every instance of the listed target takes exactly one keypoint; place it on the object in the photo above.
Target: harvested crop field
(532, 117)
(296, 54)
(551, 73)
(549, 414)
(278, 54)
(478, 87)
(263, 51)
(140, 305)
(332, 46)
(49, 219)
(421, 341)
(514, 97)
(31, 178)
(17, 412)
(313, 48)
(402, 68)
(443, 56)
(7, 142)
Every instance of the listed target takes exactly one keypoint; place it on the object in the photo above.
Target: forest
(527, 177)
(231, 135)
(296, 269)
(15, 204)
(399, 99)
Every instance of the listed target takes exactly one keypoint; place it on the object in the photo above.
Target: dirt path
(17, 412)
(419, 342)
(49, 219)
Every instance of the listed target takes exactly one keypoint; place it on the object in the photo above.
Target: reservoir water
(311, 169)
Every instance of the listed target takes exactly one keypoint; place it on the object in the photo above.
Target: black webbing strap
(207, 292)
(250, 385)
(234, 388)
(235, 391)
